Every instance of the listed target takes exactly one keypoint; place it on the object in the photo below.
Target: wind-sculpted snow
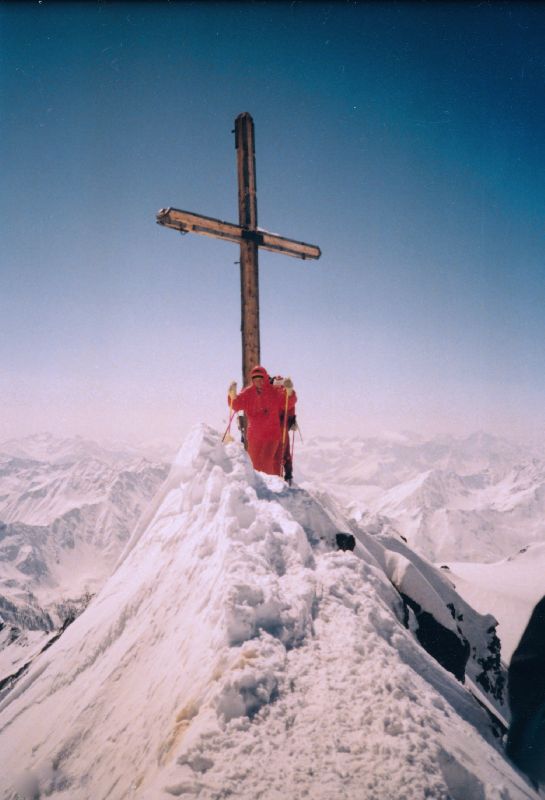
(234, 652)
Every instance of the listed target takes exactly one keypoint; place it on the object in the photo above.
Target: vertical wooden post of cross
(248, 236)
(247, 209)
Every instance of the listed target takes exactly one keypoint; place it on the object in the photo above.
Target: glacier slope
(234, 653)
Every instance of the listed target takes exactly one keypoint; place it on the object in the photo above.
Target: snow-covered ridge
(235, 651)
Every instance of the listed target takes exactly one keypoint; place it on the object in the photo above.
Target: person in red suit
(263, 404)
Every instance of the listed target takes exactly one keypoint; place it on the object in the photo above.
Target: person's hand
(288, 386)
(233, 390)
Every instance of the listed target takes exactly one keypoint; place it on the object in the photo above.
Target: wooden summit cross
(247, 234)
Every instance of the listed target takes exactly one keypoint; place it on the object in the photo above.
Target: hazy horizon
(175, 440)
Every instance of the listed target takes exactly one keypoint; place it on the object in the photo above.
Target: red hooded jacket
(263, 411)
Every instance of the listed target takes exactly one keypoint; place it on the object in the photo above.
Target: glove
(288, 386)
(233, 390)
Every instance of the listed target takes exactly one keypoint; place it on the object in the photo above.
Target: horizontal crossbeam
(187, 222)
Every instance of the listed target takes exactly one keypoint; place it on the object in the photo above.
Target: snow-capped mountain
(236, 652)
(391, 460)
(474, 499)
(67, 509)
(55, 450)
(470, 504)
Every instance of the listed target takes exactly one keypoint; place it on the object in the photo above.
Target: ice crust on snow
(234, 652)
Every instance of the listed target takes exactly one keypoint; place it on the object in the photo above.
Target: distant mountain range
(67, 509)
(474, 505)
(480, 498)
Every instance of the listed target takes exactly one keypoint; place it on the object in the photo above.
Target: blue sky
(406, 140)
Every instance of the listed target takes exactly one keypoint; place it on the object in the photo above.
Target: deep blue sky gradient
(407, 140)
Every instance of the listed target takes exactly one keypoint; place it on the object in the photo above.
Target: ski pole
(284, 427)
(228, 428)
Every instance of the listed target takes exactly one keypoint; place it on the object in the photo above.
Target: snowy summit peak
(235, 651)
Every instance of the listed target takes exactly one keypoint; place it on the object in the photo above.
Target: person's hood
(259, 371)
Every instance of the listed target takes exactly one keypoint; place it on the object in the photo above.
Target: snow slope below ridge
(233, 652)
(512, 587)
